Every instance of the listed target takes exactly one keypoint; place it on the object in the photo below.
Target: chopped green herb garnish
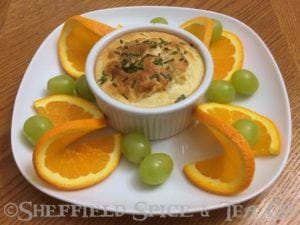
(169, 77)
(182, 43)
(181, 59)
(124, 96)
(102, 80)
(152, 44)
(132, 67)
(180, 98)
(148, 54)
(163, 42)
(124, 62)
(121, 41)
(184, 52)
(163, 75)
(166, 76)
(156, 76)
(158, 61)
(168, 61)
(140, 67)
(116, 52)
(147, 41)
(174, 53)
(114, 84)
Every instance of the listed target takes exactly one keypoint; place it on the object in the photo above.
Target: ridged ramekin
(158, 122)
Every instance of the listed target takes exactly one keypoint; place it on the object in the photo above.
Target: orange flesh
(225, 167)
(80, 40)
(201, 27)
(231, 116)
(59, 112)
(197, 29)
(81, 157)
(222, 52)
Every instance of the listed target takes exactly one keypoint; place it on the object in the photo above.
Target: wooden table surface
(25, 24)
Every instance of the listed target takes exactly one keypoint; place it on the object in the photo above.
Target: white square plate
(122, 188)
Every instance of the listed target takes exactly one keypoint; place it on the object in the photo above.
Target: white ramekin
(155, 123)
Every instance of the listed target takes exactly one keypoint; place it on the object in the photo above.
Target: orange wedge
(77, 37)
(229, 173)
(269, 142)
(227, 54)
(64, 160)
(201, 27)
(63, 108)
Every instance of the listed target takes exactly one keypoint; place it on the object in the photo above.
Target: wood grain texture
(25, 24)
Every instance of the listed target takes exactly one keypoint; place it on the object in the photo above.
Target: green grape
(220, 91)
(83, 90)
(155, 168)
(61, 84)
(248, 129)
(35, 126)
(245, 82)
(217, 30)
(159, 20)
(135, 147)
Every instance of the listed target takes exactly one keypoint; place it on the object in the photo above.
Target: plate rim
(193, 209)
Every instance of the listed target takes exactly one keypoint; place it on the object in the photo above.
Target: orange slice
(77, 37)
(227, 54)
(269, 142)
(229, 173)
(63, 108)
(201, 27)
(64, 160)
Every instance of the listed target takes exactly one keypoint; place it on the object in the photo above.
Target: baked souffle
(149, 69)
